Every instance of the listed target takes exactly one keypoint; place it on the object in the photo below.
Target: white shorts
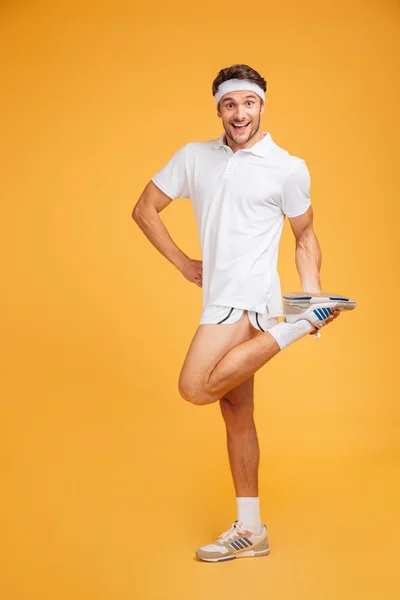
(225, 315)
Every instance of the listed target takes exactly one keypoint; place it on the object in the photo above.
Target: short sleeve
(295, 193)
(172, 178)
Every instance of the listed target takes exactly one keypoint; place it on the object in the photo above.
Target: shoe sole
(294, 305)
(244, 554)
(304, 300)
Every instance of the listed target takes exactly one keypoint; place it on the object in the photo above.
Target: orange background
(110, 480)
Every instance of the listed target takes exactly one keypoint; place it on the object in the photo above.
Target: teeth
(240, 125)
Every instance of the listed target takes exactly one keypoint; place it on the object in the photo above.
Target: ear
(262, 108)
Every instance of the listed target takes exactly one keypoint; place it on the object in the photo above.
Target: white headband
(235, 85)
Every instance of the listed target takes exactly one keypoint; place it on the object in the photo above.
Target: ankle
(287, 333)
(249, 513)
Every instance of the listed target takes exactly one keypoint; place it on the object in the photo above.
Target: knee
(191, 395)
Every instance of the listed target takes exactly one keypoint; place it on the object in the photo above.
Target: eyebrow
(248, 96)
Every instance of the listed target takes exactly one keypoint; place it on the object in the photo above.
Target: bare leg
(221, 357)
(237, 408)
(239, 364)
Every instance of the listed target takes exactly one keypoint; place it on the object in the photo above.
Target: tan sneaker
(235, 542)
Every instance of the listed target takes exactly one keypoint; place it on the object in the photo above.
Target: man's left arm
(296, 205)
(308, 255)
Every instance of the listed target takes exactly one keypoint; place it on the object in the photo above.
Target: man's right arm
(146, 215)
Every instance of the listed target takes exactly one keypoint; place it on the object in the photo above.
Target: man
(242, 186)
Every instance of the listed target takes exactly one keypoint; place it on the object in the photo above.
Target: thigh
(209, 345)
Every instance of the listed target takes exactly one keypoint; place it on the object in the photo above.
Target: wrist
(180, 265)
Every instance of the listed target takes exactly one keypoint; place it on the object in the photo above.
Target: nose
(240, 114)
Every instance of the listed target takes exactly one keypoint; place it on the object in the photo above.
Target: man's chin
(241, 139)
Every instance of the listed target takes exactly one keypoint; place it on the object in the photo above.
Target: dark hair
(238, 72)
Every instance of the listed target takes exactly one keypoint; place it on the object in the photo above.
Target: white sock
(249, 513)
(287, 333)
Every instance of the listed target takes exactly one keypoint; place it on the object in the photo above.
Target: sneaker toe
(211, 551)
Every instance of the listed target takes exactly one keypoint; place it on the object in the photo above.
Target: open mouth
(240, 128)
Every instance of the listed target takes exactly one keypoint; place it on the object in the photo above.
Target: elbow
(306, 239)
(302, 242)
(136, 213)
(143, 213)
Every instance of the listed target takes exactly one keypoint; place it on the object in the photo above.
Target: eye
(251, 101)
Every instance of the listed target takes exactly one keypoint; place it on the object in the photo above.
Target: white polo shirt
(240, 200)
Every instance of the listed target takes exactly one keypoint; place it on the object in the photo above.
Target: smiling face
(240, 113)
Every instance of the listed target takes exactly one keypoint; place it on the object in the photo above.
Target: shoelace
(231, 532)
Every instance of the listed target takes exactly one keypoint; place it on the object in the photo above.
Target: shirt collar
(261, 148)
